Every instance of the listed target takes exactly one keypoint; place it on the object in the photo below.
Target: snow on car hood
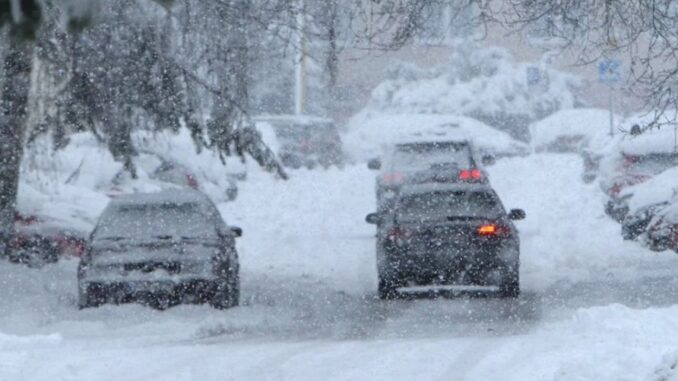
(659, 188)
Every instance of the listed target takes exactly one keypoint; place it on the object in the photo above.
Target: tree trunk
(13, 110)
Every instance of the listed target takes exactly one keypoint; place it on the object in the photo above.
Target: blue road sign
(533, 76)
(610, 71)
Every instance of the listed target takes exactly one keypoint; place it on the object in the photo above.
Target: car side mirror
(488, 160)
(516, 214)
(374, 218)
(374, 164)
(237, 231)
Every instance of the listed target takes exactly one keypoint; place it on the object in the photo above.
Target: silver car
(163, 249)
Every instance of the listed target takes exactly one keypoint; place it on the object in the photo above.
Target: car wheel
(224, 295)
(235, 291)
(510, 287)
(387, 288)
(90, 295)
(161, 301)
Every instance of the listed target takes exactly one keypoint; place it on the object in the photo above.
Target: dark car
(448, 235)
(162, 248)
(425, 162)
(636, 223)
(302, 141)
(39, 240)
(662, 231)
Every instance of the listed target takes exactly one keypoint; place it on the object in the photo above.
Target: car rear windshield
(295, 132)
(444, 204)
(154, 221)
(423, 155)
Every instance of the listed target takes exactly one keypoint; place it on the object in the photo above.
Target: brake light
(395, 177)
(191, 181)
(630, 159)
(492, 230)
(470, 174)
(399, 235)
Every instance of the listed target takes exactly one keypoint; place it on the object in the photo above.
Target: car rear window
(423, 155)
(442, 204)
(150, 221)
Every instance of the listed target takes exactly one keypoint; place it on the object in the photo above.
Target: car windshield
(425, 155)
(154, 221)
(448, 204)
(303, 132)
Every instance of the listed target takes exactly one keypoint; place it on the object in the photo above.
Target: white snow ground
(594, 307)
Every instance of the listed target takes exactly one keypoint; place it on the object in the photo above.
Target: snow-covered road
(594, 307)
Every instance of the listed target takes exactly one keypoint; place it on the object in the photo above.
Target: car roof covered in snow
(659, 188)
(586, 122)
(293, 119)
(438, 187)
(368, 132)
(661, 139)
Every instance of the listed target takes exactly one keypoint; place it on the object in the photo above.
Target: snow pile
(659, 188)
(370, 132)
(668, 369)
(574, 125)
(663, 138)
(486, 83)
(72, 183)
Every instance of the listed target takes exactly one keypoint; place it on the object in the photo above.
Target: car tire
(226, 294)
(88, 297)
(161, 301)
(387, 288)
(510, 287)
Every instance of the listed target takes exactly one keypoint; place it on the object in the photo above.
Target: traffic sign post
(610, 74)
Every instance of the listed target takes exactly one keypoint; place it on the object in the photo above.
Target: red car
(41, 240)
(662, 233)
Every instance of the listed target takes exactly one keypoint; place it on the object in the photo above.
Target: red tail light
(18, 241)
(492, 230)
(399, 235)
(470, 174)
(191, 181)
(395, 177)
(630, 159)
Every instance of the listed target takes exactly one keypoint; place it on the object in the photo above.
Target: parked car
(161, 248)
(39, 240)
(662, 232)
(175, 173)
(568, 130)
(639, 202)
(163, 173)
(424, 162)
(302, 141)
(444, 235)
(627, 159)
(636, 223)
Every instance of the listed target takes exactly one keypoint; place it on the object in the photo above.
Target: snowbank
(663, 138)
(72, 183)
(659, 188)
(486, 83)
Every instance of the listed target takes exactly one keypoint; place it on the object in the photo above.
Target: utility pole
(300, 68)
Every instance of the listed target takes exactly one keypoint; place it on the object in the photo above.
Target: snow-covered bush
(487, 84)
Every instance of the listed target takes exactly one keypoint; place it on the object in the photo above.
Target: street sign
(537, 79)
(533, 76)
(610, 71)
